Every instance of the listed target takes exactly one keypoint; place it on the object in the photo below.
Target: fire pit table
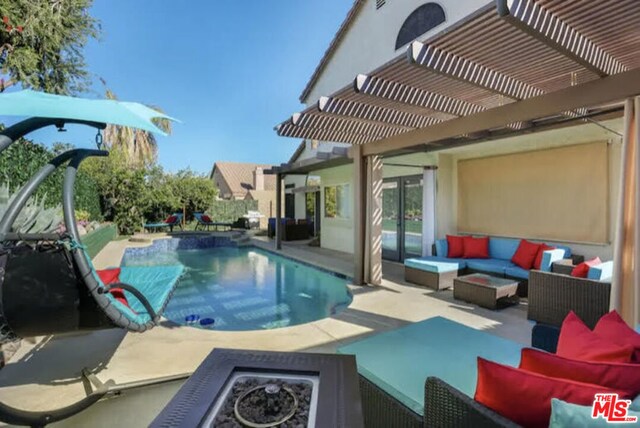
(258, 389)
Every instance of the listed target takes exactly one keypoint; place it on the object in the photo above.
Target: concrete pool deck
(45, 372)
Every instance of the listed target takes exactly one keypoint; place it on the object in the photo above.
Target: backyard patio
(45, 374)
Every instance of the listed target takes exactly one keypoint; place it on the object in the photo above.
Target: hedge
(229, 211)
(24, 158)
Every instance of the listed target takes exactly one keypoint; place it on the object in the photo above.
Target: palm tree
(140, 147)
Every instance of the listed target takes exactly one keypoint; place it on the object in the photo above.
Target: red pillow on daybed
(538, 261)
(455, 246)
(623, 376)
(476, 248)
(582, 270)
(525, 397)
(526, 254)
(109, 276)
(578, 342)
(613, 328)
(171, 219)
(206, 218)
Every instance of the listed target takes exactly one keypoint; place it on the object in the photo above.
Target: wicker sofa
(428, 380)
(437, 272)
(290, 230)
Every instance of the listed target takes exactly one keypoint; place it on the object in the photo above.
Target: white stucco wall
(372, 38)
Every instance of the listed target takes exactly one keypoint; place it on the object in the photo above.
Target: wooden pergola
(512, 66)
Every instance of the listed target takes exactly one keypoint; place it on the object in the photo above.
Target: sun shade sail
(39, 104)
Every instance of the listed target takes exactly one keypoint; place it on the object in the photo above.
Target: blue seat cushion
(517, 272)
(424, 349)
(433, 266)
(489, 265)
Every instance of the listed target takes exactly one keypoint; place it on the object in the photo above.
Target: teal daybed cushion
(400, 361)
(156, 283)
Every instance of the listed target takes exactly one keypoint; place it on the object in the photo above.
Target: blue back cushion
(567, 250)
(503, 248)
(442, 248)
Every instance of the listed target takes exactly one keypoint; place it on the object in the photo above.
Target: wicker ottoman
(437, 275)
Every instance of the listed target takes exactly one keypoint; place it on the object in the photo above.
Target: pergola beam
(452, 66)
(595, 92)
(542, 24)
(405, 94)
(369, 112)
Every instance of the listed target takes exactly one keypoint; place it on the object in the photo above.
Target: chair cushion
(577, 341)
(517, 272)
(171, 219)
(565, 415)
(476, 248)
(431, 265)
(624, 376)
(425, 349)
(526, 254)
(442, 248)
(525, 397)
(502, 248)
(601, 272)
(582, 270)
(109, 276)
(489, 265)
(615, 329)
(455, 246)
(205, 218)
(538, 260)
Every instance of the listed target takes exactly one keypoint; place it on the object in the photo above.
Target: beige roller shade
(557, 194)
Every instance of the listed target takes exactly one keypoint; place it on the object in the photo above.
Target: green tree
(140, 147)
(42, 42)
(194, 192)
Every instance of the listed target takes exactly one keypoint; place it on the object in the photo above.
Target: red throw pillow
(118, 294)
(456, 246)
(171, 219)
(538, 261)
(109, 276)
(582, 270)
(612, 375)
(526, 254)
(206, 218)
(578, 342)
(476, 248)
(525, 398)
(613, 328)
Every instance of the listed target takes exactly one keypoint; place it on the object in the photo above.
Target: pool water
(246, 288)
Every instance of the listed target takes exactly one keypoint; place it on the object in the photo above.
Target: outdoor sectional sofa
(438, 271)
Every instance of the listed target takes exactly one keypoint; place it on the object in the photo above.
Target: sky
(230, 70)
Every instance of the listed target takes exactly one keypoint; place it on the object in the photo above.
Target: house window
(337, 201)
(421, 20)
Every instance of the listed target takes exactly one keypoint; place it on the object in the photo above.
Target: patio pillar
(373, 240)
(359, 215)
(278, 225)
(625, 292)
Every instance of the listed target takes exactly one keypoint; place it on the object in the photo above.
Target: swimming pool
(243, 288)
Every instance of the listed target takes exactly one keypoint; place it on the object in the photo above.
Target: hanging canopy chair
(48, 284)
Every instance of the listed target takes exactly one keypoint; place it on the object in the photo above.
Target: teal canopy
(29, 103)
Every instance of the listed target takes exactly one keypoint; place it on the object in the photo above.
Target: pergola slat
(542, 24)
(290, 130)
(346, 125)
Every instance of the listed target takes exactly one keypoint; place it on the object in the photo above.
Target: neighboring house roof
(342, 31)
(260, 195)
(239, 176)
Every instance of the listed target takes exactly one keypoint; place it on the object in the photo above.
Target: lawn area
(410, 226)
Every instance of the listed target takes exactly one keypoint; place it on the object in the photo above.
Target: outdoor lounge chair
(205, 221)
(171, 221)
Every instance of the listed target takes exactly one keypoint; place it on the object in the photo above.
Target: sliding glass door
(402, 218)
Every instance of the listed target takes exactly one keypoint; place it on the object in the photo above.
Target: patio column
(278, 225)
(373, 240)
(359, 215)
(625, 293)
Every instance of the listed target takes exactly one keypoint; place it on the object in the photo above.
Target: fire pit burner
(266, 406)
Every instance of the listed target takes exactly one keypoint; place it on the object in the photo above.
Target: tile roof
(239, 176)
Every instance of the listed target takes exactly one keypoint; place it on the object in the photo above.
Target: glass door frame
(400, 253)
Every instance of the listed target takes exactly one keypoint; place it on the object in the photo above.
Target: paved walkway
(44, 374)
